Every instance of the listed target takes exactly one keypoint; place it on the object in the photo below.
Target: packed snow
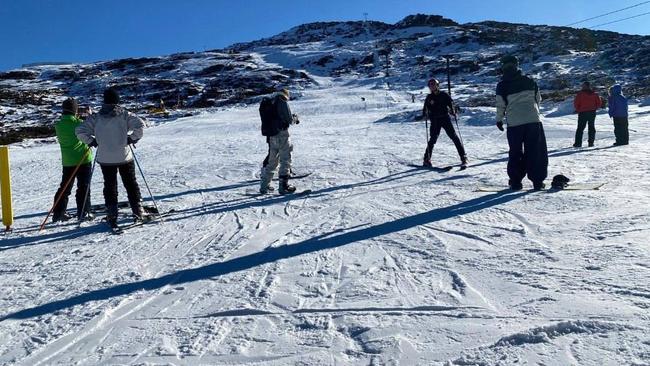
(382, 264)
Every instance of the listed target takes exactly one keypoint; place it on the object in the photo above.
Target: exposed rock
(423, 20)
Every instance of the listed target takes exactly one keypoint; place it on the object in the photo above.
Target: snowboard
(294, 176)
(570, 187)
(299, 175)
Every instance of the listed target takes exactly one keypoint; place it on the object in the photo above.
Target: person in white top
(112, 130)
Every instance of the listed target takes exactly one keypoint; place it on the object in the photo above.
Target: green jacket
(72, 150)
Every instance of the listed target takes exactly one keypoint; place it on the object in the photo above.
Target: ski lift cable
(620, 20)
(610, 13)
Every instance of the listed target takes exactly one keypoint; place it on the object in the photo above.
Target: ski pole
(426, 126)
(448, 76)
(145, 181)
(65, 186)
(92, 171)
(460, 135)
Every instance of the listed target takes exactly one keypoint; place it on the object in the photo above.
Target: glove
(93, 143)
(131, 141)
(295, 119)
(500, 125)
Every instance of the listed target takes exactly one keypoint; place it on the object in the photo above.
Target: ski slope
(382, 264)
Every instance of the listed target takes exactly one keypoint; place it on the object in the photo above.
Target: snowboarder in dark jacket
(112, 130)
(437, 107)
(618, 111)
(517, 100)
(280, 147)
(76, 159)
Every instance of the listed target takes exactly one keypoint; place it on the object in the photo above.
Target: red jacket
(587, 101)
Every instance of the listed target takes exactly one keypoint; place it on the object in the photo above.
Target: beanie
(70, 106)
(111, 96)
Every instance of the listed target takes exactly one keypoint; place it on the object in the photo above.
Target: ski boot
(86, 216)
(112, 222)
(111, 216)
(60, 217)
(516, 186)
(463, 162)
(140, 215)
(427, 163)
(267, 189)
(285, 187)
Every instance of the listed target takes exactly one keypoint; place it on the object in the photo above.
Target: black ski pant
(584, 119)
(127, 173)
(621, 131)
(434, 131)
(528, 154)
(83, 176)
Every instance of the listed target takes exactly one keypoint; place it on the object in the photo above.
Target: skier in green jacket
(76, 159)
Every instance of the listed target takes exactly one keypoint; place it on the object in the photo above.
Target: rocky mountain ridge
(396, 56)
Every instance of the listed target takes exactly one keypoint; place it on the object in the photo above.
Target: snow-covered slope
(382, 264)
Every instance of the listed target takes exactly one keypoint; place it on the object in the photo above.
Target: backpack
(269, 117)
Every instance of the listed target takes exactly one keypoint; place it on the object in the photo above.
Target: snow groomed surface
(381, 264)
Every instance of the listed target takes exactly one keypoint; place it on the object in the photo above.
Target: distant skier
(438, 105)
(276, 119)
(586, 103)
(517, 100)
(618, 110)
(76, 159)
(112, 130)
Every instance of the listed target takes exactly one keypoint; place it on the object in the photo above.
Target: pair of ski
(439, 169)
(149, 218)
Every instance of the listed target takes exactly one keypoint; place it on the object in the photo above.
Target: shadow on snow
(322, 242)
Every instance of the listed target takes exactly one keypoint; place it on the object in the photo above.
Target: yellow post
(5, 189)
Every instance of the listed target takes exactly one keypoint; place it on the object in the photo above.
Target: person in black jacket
(437, 107)
(280, 146)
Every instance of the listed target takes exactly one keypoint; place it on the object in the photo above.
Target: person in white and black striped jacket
(517, 101)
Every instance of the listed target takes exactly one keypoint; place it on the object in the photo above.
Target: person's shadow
(325, 241)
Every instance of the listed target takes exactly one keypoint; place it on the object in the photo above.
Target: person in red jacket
(586, 103)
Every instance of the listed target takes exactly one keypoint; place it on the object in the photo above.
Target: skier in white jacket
(112, 130)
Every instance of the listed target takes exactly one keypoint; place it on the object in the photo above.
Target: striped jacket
(518, 100)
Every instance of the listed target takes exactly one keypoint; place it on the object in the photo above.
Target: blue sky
(93, 30)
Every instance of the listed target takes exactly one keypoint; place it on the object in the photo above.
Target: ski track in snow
(381, 264)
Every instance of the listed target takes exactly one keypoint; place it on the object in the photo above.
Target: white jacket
(111, 128)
